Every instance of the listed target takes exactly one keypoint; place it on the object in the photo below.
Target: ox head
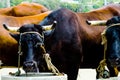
(30, 39)
(113, 45)
(113, 41)
(112, 34)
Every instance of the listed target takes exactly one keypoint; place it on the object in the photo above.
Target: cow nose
(30, 66)
(29, 63)
(115, 62)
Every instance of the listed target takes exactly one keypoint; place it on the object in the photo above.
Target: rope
(50, 66)
(17, 73)
(116, 70)
(32, 32)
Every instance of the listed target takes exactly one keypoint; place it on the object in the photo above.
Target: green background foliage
(80, 6)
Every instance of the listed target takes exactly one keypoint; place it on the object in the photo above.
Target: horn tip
(4, 25)
(88, 22)
(55, 21)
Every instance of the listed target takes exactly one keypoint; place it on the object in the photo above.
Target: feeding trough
(35, 76)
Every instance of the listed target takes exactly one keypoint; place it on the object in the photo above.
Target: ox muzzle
(30, 66)
(114, 62)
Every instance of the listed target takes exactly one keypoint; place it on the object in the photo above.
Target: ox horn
(13, 29)
(97, 23)
(49, 27)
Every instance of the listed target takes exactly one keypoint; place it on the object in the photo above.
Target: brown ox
(8, 46)
(23, 9)
(72, 40)
(92, 34)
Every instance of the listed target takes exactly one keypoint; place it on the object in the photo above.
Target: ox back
(24, 9)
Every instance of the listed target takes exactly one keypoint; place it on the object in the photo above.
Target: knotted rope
(50, 66)
(103, 64)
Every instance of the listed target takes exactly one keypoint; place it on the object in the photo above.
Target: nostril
(118, 61)
(30, 66)
(115, 62)
(29, 63)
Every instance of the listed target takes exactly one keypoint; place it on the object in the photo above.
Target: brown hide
(23, 9)
(91, 35)
(19, 21)
(26, 9)
(8, 46)
(6, 11)
(103, 13)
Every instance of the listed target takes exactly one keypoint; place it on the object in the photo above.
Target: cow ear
(15, 36)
